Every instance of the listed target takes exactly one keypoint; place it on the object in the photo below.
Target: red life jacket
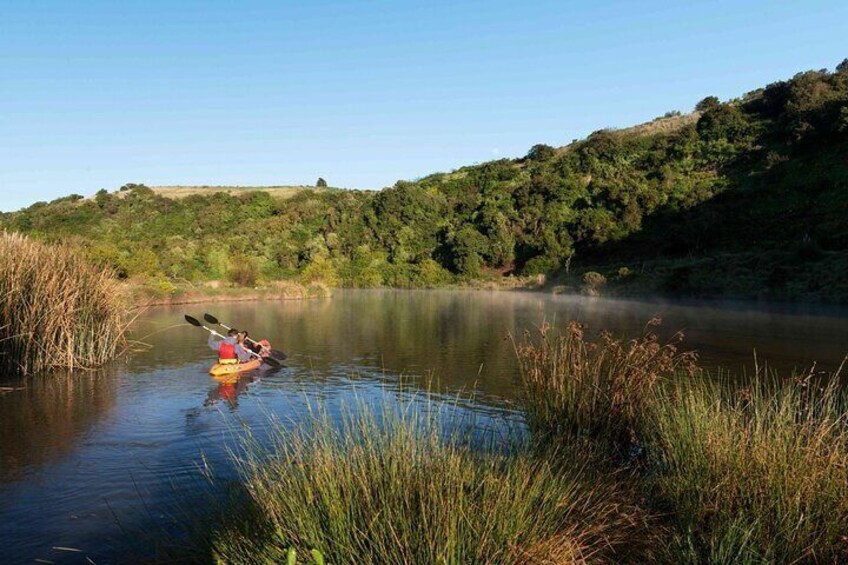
(227, 351)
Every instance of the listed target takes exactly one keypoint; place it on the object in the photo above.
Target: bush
(593, 282)
(244, 272)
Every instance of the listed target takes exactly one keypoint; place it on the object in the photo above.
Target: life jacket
(227, 354)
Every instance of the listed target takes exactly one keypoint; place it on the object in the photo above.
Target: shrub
(56, 309)
(593, 282)
(244, 272)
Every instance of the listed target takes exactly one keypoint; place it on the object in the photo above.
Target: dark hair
(233, 332)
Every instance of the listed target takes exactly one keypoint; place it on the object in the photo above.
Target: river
(99, 466)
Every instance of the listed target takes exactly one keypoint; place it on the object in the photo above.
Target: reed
(399, 488)
(601, 389)
(746, 471)
(56, 310)
(754, 474)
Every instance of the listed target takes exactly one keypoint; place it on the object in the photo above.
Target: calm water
(105, 462)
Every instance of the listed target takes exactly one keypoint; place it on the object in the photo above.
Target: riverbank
(166, 293)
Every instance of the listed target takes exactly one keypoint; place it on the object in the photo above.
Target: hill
(745, 198)
(279, 192)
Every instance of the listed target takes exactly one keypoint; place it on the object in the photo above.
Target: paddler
(230, 351)
(262, 347)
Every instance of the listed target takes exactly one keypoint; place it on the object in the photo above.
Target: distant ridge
(281, 191)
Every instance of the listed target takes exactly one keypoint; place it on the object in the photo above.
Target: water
(105, 462)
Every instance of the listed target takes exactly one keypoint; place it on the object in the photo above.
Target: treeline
(659, 207)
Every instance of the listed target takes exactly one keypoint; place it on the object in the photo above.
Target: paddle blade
(279, 355)
(192, 321)
(210, 318)
(272, 362)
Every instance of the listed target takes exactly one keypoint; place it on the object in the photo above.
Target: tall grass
(745, 474)
(754, 474)
(599, 389)
(56, 310)
(399, 488)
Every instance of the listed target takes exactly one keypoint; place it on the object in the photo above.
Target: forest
(746, 198)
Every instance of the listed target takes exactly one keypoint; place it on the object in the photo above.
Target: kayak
(219, 369)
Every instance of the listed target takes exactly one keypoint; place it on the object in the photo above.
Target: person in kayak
(230, 351)
(262, 347)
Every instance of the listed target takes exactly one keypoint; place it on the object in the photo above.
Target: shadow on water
(44, 417)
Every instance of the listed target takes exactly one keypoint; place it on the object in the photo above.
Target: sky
(362, 93)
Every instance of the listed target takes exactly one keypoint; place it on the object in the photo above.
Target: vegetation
(397, 487)
(755, 474)
(743, 198)
(56, 310)
(601, 390)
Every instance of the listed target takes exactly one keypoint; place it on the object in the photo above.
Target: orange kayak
(219, 369)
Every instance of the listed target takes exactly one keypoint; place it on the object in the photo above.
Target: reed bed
(399, 488)
(602, 389)
(56, 310)
(749, 471)
(754, 474)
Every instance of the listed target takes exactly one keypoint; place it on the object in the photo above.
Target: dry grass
(56, 310)
(280, 192)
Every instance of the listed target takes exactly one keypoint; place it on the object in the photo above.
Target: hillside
(279, 192)
(745, 198)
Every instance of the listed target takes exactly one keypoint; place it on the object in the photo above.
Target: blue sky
(97, 94)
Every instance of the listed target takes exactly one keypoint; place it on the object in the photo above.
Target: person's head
(232, 333)
(242, 336)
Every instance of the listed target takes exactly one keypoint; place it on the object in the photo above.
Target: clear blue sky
(97, 94)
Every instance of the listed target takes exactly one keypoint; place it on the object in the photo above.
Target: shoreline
(141, 297)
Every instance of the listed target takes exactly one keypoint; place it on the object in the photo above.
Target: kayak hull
(219, 370)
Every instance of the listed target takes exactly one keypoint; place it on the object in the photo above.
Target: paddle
(270, 360)
(213, 320)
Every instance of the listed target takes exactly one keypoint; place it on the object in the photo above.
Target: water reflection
(227, 390)
(45, 417)
(461, 337)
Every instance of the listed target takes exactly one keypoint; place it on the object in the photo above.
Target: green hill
(745, 198)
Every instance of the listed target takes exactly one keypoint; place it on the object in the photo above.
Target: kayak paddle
(213, 320)
(195, 322)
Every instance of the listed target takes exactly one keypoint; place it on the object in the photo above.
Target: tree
(708, 103)
(540, 152)
(321, 183)
(842, 67)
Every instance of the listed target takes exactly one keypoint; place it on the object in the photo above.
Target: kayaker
(262, 348)
(230, 351)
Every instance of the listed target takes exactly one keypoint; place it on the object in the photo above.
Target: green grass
(743, 474)
(757, 474)
(400, 488)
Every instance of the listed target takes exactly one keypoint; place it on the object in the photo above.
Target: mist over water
(88, 461)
